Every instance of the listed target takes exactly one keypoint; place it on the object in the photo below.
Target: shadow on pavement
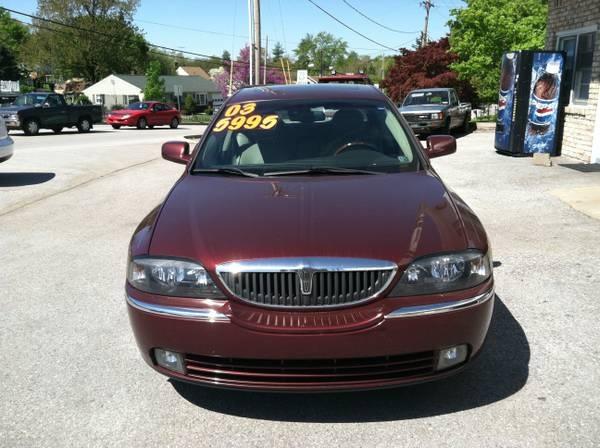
(500, 371)
(46, 133)
(22, 179)
(155, 128)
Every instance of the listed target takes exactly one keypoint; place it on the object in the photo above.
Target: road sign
(302, 77)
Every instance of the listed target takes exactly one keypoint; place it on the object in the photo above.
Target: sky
(209, 27)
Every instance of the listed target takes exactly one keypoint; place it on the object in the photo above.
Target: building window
(579, 48)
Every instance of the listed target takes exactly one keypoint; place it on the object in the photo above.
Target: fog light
(169, 360)
(451, 356)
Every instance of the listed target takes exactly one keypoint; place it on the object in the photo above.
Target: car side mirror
(178, 152)
(440, 145)
(46, 105)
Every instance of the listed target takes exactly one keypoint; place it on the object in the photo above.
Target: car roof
(308, 91)
(433, 89)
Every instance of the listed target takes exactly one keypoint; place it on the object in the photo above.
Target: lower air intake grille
(308, 371)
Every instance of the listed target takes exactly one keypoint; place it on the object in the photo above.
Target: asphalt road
(71, 374)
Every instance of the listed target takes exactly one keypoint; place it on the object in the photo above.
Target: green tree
(277, 52)
(155, 86)
(322, 51)
(100, 39)
(168, 63)
(226, 56)
(12, 36)
(189, 105)
(483, 30)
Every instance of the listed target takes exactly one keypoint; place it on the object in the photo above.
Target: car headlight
(13, 117)
(171, 277)
(442, 273)
(437, 116)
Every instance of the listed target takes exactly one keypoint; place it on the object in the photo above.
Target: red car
(145, 114)
(309, 245)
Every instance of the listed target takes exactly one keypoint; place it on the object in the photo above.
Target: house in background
(573, 27)
(120, 90)
(192, 71)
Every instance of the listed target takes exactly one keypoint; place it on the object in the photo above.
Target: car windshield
(31, 99)
(418, 98)
(282, 137)
(138, 106)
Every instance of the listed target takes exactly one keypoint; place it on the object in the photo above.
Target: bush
(189, 105)
(117, 107)
(81, 100)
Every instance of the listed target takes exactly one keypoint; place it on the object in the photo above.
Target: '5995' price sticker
(238, 116)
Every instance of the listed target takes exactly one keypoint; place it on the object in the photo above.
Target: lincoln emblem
(306, 279)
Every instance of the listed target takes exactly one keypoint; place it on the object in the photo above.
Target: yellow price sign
(240, 121)
(240, 109)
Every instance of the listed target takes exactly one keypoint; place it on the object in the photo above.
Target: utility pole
(257, 41)
(266, 56)
(427, 5)
(251, 46)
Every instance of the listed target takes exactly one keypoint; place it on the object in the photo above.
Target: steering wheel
(354, 145)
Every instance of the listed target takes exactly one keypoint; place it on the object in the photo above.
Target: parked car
(309, 245)
(145, 114)
(435, 111)
(6, 143)
(31, 112)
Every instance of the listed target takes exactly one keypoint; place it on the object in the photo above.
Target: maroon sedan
(143, 115)
(309, 245)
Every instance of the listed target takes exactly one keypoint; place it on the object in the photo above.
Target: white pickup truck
(430, 111)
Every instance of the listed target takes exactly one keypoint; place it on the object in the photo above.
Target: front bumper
(385, 343)
(130, 121)
(427, 126)
(12, 124)
(6, 148)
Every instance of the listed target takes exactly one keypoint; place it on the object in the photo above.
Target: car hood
(396, 217)
(13, 109)
(424, 108)
(122, 112)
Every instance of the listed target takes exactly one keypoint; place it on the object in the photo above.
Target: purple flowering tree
(241, 74)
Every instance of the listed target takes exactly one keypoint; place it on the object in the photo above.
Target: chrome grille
(416, 117)
(306, 282)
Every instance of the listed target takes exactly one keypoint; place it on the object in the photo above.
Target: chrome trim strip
(313, 264)
(206, 315)
(443, 307)
(327, 264)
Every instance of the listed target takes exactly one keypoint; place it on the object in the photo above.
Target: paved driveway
(71, 374)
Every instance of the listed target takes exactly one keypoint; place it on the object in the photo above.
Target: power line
(198, 30)
(377, 23)
(118, 43)
(285, 49)
(111, 36)
(350, 28)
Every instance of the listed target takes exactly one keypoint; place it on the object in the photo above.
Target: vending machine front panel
(542, 133)
(506, 95)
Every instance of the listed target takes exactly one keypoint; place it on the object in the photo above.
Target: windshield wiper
(230, 171)
(320, 170)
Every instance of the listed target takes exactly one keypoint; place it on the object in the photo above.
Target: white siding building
(124, 89)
